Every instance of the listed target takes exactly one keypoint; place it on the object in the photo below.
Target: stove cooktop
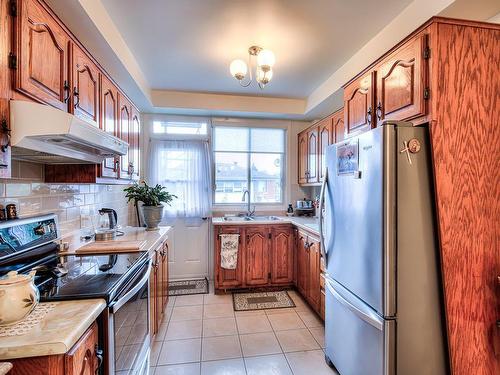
(86, 277)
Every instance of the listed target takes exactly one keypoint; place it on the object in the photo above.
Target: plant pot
(152, 216)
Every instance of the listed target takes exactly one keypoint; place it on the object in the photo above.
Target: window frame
(283, 166)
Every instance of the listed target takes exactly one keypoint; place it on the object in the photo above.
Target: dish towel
(229, 251)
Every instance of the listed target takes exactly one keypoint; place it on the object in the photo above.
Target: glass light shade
(265, 59)
(238, 69)
(264, 77)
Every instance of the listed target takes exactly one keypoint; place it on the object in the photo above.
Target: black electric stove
(27, 244)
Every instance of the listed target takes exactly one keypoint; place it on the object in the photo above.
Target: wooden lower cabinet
(158, 287)
(84, 358)
(265, 257)
(257, 248)
(308, 270)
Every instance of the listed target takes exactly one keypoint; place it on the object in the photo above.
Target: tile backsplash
(76, 205)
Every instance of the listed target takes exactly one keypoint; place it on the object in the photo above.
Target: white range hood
(43, 134)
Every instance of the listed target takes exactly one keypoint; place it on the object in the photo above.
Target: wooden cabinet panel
(225, 278)
(82, 358)
(164, 266)
(302, 162)
(314, 289)
(312, 155)
(282, 242)
(109, 122)
(134, 150)
(338, 128)
(42, 56)
(324, 139)
(257, 255)
(125, 124)
(358, 105)
(154, 307)
(322, 305)
(85, 94)
(302, 264)
(401, 82)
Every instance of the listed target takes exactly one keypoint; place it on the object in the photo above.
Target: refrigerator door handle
(321, 203)
(364, 313)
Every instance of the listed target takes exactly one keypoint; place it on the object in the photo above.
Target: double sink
(239, 219)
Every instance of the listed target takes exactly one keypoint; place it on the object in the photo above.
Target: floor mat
(261, 300)
(186, 287)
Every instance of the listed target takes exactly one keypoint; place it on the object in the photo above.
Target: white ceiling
(187, 45)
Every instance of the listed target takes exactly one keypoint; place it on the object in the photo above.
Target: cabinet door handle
(76, 94)
(379, 111)
(66, 91)
(369, 115)
(99, 355)
(117, 165)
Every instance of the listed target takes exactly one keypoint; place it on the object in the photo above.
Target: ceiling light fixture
(263, 69)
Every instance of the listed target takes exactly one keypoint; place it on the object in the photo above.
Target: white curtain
(183, 167)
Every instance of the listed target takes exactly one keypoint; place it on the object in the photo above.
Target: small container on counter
(3, 214)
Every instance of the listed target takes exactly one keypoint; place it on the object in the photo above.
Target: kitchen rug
(186, 287)
(262, 300)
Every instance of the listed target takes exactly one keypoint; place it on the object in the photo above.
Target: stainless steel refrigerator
(384, 312)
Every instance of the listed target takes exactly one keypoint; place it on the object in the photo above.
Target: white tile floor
(202, 335)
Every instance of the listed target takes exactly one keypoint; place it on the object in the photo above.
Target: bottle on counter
(289, 210)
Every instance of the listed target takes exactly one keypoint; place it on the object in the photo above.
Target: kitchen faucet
(249, 211)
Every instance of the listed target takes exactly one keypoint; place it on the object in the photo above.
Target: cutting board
(110, 247)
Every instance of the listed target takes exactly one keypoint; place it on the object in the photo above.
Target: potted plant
(152, 198)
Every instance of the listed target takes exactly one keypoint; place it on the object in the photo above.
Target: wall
(75, 205)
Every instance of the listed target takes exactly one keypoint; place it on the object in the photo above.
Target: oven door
(128, 326)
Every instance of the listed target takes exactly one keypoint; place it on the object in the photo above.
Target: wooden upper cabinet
(312, 155)
(282, 243)
(302, 151)
(324, 139)
(85, 92)
(359, 113)
(257, 255)
(42, 56)
(338, 127)
(134, 150)
(82, 357)
(401, 82)
(125, 124)
(109, 122)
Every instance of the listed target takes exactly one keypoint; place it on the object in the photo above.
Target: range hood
(44, 134)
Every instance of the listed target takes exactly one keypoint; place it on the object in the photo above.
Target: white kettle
(18, 297)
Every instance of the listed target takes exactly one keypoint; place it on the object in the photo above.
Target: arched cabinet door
(257, 255)
(324, 140)
(302, 154)
(109, 123)
(282, 246)
(312, 155)
(85, 91)
(358, 105)
(401, 83)
(42, 48)
(125, 125)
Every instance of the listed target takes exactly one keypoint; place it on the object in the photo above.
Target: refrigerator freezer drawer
(358, 341)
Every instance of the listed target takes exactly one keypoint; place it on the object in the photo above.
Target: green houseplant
(152, 198)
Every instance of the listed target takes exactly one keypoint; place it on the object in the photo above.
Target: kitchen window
(249, 159)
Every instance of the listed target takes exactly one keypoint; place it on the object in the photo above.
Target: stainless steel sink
(250, 218)
(237, 218)
(265, 218)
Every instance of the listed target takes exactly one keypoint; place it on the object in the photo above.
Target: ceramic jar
(18, 297)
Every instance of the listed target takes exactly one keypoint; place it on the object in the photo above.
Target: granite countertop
(59, 330)
(310, 224)
(153, 238)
